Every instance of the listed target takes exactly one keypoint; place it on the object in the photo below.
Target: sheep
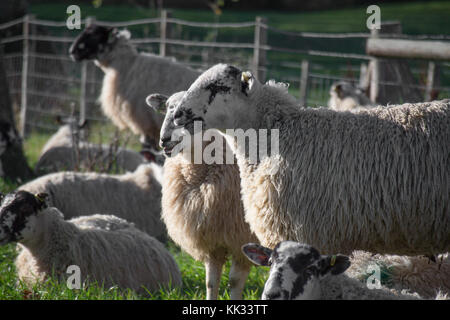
(376, 180)
(415, 274)
(65, 151)
(107, 250)
(299, 272)
(134, 196)
(344, 97)
(129, 76)
(202, 209)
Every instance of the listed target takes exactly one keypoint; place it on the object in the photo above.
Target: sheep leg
(238, 275)
(213, 274)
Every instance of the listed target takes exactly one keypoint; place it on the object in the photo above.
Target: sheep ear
(333, 264)
(157, 102)
(257, 254)
(42, 198)
(248, 82)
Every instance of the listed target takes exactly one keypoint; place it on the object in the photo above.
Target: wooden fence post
(164, 32)
(25, 56)
(259, 54)
(430, 81)
(391, 80)
(304, 83)
(83, 84)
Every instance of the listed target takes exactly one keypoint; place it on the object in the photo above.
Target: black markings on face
(15, 211)
(232, 72)
(215, 88)
(90, 42)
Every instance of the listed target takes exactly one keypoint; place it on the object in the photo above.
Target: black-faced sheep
(376, 180)
(129, 77)
(299, 272)
(134, 196)
(106, 249)
(202, 209)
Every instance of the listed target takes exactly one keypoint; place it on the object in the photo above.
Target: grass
(193, 272)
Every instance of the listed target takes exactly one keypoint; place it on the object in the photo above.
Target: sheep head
(18, 212)
(296, 269)
(93, 41)
(220, 98)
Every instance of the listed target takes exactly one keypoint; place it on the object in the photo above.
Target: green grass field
(193, 272)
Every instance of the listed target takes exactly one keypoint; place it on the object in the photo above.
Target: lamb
(65, 151)
(129, 76)
(344, 97)
(108, 250)
(202, 209)
(299, 272)
(133, 196)
(376, 180)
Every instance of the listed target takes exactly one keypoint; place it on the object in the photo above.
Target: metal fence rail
(45, 82)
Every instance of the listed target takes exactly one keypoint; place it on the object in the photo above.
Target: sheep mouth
(168, 147)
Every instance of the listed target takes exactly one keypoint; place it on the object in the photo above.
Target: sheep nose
(163, 140)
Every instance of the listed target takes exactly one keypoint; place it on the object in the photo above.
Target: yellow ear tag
(333, 260)
(245, 76)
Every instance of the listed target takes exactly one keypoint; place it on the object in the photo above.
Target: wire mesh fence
(44, 82)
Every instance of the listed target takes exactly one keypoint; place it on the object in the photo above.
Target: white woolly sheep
(415, 274)
(65, 151)
(107, 249)
(134, 196)
(344, 97)
(299, 272)
(202, 209)
(376, 180)
(129, 76)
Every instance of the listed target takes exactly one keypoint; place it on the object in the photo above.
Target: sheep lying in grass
(202, 209)
(107, 249)
(134, 196)
(65, 151)
(129, 76)
(299, 272)
(344, 97)
(415, 274)
(376, 180)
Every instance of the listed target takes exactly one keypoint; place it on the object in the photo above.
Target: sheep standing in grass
(134, 196)
(344, 97)
(129, 76)
(299, 272)
(64, 151)
(202, 209)
(107, 249)
(376, 180)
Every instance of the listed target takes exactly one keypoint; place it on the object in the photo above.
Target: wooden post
(164, 33)
(430, 80)
(391, 80)
(25, 54)
(304, 83)
(259, 54)
(83, 86)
